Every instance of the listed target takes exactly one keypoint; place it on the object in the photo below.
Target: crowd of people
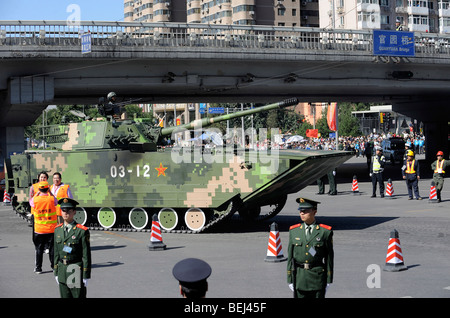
(356, 144)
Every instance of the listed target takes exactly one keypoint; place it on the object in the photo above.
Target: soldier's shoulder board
(295, 226)
(325, 226)
(60, 224)
(82, 227)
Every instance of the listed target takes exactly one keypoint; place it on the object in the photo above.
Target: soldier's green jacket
(72, 248)
(317, 252)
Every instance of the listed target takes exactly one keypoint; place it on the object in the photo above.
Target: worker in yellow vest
(439, 167)
(44, 213)
(411, 173)
(60, 191)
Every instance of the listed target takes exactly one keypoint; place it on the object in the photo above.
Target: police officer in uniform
(439, 167)
(192, 273)
(310, 254)
(398, 25)
(376, 172)
(411, 173)
(72, 253)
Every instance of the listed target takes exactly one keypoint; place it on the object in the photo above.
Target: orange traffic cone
(6, 198)
(156, 242)
(389, 190)
(433, 194)
(394, 257)
(355, 188)
(274, 248)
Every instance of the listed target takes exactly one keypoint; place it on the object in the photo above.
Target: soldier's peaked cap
(67, 203)
(191, 270)
(306, 203)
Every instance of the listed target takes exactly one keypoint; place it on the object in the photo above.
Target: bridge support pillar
(11, 141)
(436, 138)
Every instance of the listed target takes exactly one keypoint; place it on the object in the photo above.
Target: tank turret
(137, 135)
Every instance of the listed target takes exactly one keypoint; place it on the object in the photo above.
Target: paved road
(124, 267)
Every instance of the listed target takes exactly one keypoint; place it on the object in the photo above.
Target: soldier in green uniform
(72, 253)
(439, 167)
(331, 181)
(310, 254)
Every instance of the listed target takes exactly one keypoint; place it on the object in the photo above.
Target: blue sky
(99, 10)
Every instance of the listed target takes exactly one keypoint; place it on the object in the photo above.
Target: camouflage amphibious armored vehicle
(121, 176)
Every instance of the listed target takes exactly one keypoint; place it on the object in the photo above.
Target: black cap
(191, 270)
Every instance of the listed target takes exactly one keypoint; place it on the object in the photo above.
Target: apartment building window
(294, 12)
(384, 19)
(418, 19)
(444, 22)
(243, 7)
(384, 3)
(193, 11)
(366, 16)
(161, 12)
(417, 3)
(281, 11)
(367, 1)
(244, 22)
(443, 5)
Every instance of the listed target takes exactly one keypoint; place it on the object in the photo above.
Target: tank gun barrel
(205, 122)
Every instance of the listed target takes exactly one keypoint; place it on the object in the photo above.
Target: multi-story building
(414, 15)
(239, 12)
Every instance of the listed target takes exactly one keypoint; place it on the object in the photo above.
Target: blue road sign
(202, 108)
(86, 43)
(393, 43)
(216, 110)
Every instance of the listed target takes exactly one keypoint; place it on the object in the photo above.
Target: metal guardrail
(170, 34)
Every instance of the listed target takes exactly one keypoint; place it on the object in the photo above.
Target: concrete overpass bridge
(41, 63)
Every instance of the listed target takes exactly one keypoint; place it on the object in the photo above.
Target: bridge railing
(103, 33)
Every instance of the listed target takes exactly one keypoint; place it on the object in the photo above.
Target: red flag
(331, 116)
(312, 133)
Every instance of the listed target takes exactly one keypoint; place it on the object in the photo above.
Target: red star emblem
(161, 170)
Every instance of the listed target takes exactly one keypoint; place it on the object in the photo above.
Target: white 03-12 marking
(121, 171)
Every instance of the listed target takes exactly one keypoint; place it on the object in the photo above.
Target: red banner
(312, 133)
(331, 116)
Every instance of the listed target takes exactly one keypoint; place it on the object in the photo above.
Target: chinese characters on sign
(393, 43)
(86, 43)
